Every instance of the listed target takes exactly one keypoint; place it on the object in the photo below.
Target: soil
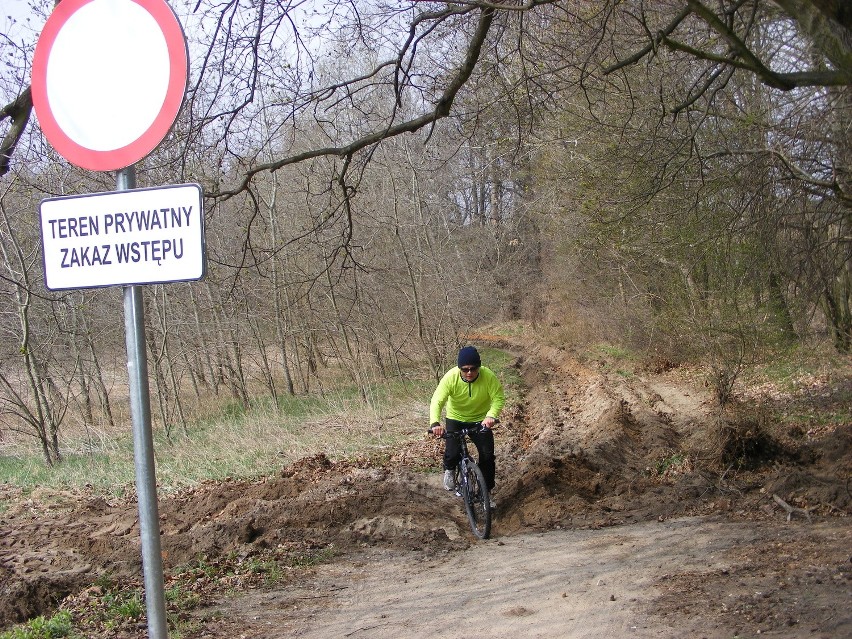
(625, 507)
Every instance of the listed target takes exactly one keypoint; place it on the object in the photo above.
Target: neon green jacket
(473, 402)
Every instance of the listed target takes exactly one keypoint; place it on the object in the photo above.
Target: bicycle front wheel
(477, 501)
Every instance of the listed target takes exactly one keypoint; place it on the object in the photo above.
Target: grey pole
(143, 446)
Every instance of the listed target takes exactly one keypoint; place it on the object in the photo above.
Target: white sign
(139, 236)
(109, 77)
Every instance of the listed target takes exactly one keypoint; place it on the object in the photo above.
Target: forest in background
(379, 178)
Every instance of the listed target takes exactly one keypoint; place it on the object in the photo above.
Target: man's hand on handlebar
(437, 429)
(489, 423)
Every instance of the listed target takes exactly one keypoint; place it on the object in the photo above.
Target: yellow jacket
(467, 402)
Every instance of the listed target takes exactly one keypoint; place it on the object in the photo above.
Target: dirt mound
(46, 554)
(583, 449)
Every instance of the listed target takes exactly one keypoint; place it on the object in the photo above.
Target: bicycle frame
(471, 486)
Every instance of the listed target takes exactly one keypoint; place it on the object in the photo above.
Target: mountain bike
(470, 484)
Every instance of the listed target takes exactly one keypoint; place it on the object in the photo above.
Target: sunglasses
(469, 369)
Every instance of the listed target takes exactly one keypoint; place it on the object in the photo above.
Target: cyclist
(472, 394)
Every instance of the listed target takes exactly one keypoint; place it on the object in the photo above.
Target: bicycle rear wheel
(477, 501)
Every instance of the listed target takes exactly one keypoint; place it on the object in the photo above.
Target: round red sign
(109, 78)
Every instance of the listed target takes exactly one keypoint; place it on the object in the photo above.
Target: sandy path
(567, 584)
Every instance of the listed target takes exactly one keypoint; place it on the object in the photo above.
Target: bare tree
(28, 391)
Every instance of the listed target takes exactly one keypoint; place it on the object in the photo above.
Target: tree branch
(796, 171)
(660, 37)
(738, 47)
(19, 113)
(442, 109)
(829, 30)
(829, 24)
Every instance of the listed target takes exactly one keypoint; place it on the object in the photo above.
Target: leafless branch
(18, 111)
(739, 54)
(661, 36)
(796, 171)
(442, 109)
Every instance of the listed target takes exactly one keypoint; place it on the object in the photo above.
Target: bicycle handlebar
(476, 428)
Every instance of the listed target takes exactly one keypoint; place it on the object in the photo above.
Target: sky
(17, 18)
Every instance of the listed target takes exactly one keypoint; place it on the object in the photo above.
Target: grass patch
(611, 351)
(103, 473)
(501, 363)
(122, 607)
(180, 597)
(803, 388)
(793, 367)
(236, 442)
(198, 569)
(270, 569)
(673, 463)
(313, 557)
(59, 625)
(611, 358)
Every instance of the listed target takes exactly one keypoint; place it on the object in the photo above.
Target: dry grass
(228, 441)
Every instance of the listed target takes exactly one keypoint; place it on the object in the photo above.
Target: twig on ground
(792, 509)
(349, 634)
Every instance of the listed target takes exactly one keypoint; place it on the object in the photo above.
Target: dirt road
(690, 577)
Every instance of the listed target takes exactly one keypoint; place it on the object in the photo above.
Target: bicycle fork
(462, 486)
(462, 477)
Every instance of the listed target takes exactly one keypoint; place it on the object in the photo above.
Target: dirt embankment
(674, 519)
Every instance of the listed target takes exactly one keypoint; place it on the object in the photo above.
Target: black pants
(484, 442)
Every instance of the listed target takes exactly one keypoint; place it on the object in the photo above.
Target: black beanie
(468, 356)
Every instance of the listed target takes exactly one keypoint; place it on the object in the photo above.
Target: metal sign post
(109, 78)
(143, 446)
